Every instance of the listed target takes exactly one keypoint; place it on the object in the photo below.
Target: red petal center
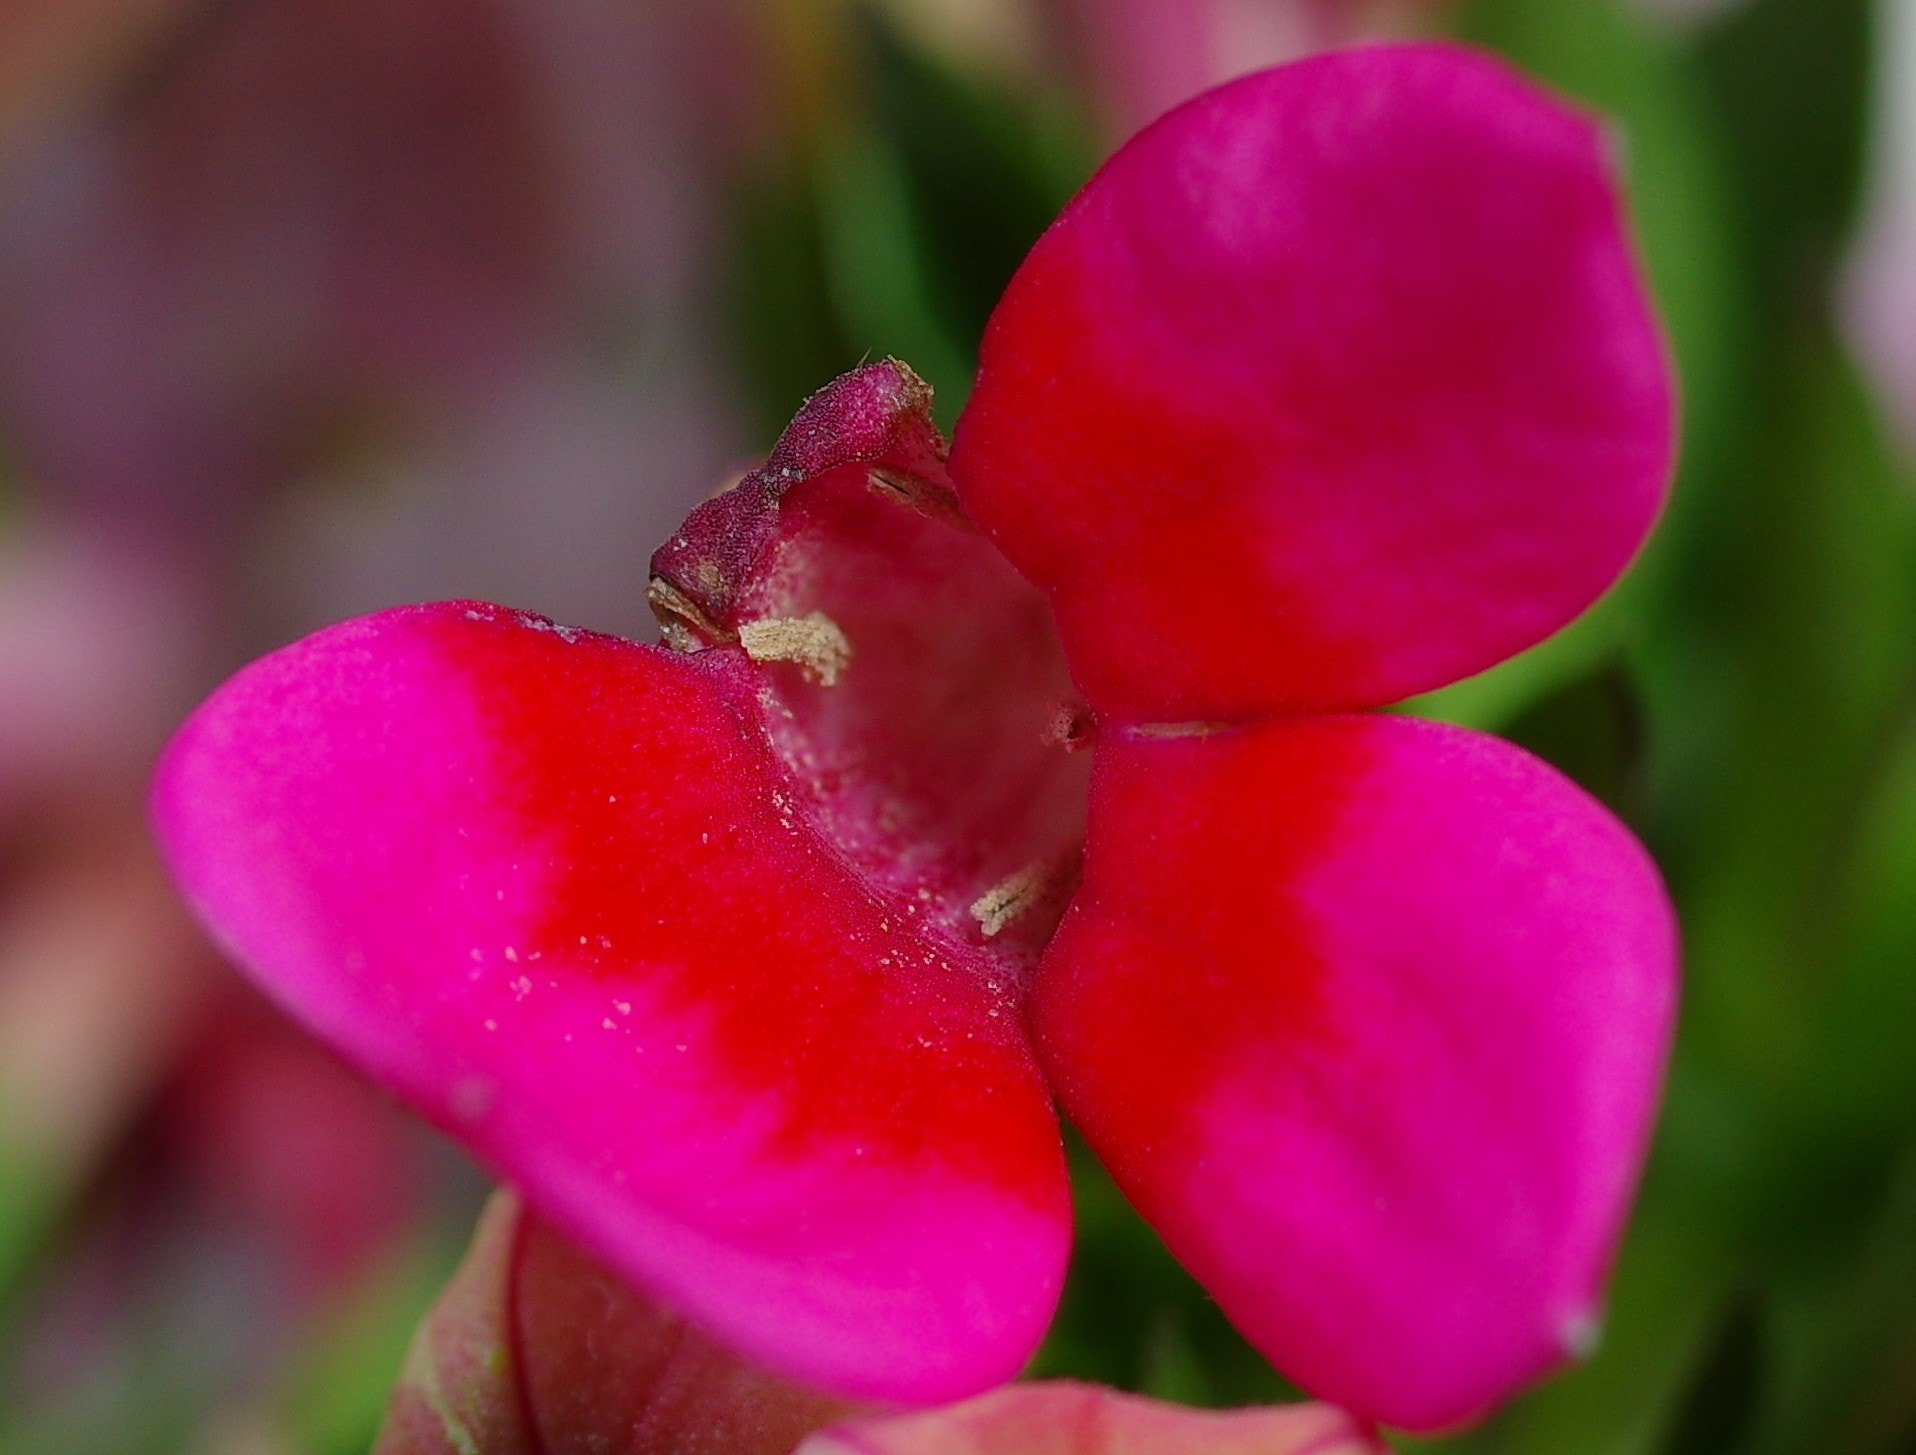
(911, 681)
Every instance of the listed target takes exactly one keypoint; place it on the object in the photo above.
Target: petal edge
(1371, 1028)
(1361, 346)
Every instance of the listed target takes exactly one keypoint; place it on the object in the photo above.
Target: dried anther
(813, 641)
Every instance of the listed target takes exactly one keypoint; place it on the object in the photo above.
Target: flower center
(911, 685)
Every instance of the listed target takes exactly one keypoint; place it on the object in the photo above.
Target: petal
(1078, 1419)
(547, 886)
(1368, 1017)
(1335, 385)
(533, 1346)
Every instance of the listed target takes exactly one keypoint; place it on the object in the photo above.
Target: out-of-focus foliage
(1747, 698)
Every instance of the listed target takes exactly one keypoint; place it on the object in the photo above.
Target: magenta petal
(1335, 385)
(1368, 1017)
(545, 885)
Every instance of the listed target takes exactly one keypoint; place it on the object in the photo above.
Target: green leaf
(986, 170)
(1718, 1411)
(32, 1197)
(785, 333)
(1850, 1387)
(876, 267)
(1591, 728)
(1791, 81)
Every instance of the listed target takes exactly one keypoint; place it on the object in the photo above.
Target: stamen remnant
(684, 626)
(1176, 729)
(1010, 897)
(813, 641)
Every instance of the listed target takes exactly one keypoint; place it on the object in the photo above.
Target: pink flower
(737, 955)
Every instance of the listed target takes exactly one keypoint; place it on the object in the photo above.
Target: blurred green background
(307, 306)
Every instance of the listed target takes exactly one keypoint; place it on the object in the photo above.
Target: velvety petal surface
(1336, 384)
(553, 889)
(1060, 1418)
(1368, 1016)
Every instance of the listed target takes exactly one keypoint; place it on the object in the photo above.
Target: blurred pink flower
(100, 648)
(310, 200)
(99, 973)
(152, 1108)
(1878, 298)
(1145, 56)
(287, 1150)
(328, 229)
(292, 307)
